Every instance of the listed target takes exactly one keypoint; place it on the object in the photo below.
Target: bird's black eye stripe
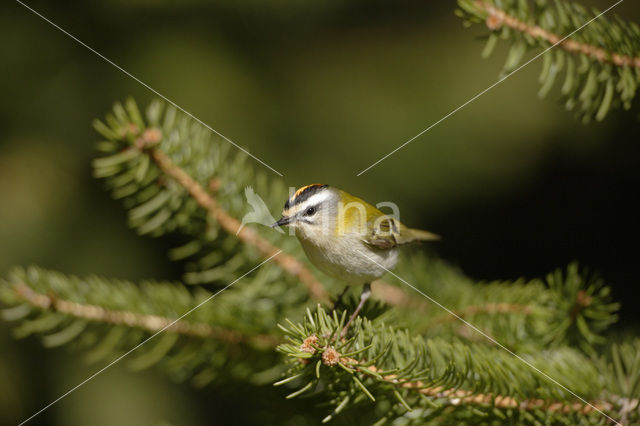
(310, 211)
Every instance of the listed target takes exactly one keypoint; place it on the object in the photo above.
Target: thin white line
(151, 89)
(551, 379)
(147, 339)
(488, 88)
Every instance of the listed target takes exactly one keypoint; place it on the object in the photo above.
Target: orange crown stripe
(302, 189)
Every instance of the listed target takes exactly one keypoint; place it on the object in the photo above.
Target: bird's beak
(283, 221)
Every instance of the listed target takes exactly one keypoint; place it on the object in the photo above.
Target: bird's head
(311, 211)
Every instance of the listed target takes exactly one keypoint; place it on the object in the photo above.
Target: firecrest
(346, 237)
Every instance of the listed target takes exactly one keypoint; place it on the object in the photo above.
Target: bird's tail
(420, 235)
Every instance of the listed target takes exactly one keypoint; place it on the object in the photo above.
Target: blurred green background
(319, 91)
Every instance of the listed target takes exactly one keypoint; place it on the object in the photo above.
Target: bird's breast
(348, 259)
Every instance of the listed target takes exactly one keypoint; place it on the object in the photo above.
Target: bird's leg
(366, 292)
(338, 301)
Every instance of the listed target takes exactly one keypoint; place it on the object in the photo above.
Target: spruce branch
(496, 18)
(106, 318)
(145, 142)
(233, 226)
(375, 365)
(457, 396)
(601, 62)
(518, 314)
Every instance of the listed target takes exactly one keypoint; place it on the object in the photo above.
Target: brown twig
(497, 18)
(151, 323)
(460, 396)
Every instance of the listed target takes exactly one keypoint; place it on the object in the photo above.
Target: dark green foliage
(522, 315)
(600, 73)
(406, 362)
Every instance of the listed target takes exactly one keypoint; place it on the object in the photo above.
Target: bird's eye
(310, 211)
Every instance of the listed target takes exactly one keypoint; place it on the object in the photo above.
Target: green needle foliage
(235, 320)
(597, 68)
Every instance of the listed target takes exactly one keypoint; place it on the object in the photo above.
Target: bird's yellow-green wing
(378, 229)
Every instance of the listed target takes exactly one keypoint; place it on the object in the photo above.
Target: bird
(346, 237)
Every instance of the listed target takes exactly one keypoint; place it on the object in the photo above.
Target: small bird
(346, 237)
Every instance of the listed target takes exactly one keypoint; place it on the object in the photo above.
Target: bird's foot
(366, 293)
